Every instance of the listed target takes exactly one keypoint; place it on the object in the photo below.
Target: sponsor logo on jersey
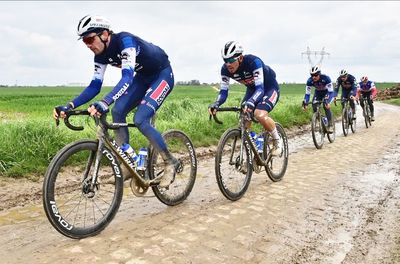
(160, 92)
(273, 97)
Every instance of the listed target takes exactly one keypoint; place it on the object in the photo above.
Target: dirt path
(339, 204)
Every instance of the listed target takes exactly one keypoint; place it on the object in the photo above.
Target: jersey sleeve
(128, 61)
(224, 87)
(308, 91)
(94, 87)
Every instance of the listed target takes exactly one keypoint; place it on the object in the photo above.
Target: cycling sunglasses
(231, 60)
(314, 75)
(90, 40)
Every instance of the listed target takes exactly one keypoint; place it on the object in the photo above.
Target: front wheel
(345, 122)
(233, 165)
(181, 147)
(317, 130)
(366, 115)
(74, 205)
(277, 165)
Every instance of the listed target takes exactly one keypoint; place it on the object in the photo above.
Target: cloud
(40, 47)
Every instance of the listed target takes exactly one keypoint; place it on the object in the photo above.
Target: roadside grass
(29, 138)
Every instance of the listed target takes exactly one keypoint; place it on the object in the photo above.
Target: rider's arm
(128, 60)
(308, 91)
(374, 91)
(337, 86)
(94, 87)
(329, 87)
(224, 87)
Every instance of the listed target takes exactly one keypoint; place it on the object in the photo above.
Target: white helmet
(231, 49)
(343, 73)
(89, 24)
(315, 70)
(364, 78)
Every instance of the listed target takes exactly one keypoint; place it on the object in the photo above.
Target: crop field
(29, 138)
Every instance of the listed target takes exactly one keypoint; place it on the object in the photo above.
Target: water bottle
(130, 152)
(253, 135)
(325, 120)
(260, 143)
(142, 159)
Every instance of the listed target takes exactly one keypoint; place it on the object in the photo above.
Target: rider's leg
(160, 88)
(123, 105)
(262, 111)
(371, 106)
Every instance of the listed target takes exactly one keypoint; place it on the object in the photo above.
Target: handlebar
(231, 109)
(102, 120)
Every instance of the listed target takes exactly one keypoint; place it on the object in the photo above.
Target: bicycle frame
(104, 138)
(243, 119)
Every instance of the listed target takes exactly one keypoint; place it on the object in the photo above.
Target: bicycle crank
(136, 189)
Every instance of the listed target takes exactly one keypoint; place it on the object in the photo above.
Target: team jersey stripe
(157, 92)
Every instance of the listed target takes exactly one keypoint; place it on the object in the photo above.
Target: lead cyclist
(147, 79)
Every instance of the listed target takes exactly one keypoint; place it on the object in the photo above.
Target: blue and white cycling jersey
(259, 79)
(130, 53)
(324, 84)
(349, 85)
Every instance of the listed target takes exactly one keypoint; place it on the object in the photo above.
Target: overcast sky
(39, 43)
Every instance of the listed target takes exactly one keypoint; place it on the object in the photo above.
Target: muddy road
(340, 204)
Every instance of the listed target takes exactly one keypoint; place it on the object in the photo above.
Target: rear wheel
(181, 147)
(74, 206)
(233, 165)
(317, 130)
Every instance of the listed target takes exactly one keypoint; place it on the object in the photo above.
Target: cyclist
(146, 81)
(262, 89)
(323, 91)
(367, 90)
(349, 89)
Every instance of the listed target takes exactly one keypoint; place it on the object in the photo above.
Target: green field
(29, 138)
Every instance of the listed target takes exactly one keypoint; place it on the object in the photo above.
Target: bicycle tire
(63, 182)
(332, 136)
(317, 130)
(353, 124)
(274, 175)
(368, 114)
(365, 114)
(345, 122)
(181, 147)
(233, 179)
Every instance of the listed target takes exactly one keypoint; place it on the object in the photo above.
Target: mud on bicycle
(83, 185)
(238, 156)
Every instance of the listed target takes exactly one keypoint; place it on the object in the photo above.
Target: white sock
(275, 134)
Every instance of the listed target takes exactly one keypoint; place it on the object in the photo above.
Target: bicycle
(347, 118)
(319, 126)
(366, 112)
(237, 157)
(83, 185)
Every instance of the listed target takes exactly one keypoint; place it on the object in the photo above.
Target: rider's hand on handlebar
(98, 108)
(248, 106)
(59, 111)
(304, 105)
(212, 108)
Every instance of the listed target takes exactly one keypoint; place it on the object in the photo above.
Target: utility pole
(310, 52)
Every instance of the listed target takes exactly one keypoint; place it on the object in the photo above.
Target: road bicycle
(83, 185)
(366, 111)
(347, 118)
(237, 156)
(319, 126)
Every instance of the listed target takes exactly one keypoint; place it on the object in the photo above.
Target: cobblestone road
(339, 204)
